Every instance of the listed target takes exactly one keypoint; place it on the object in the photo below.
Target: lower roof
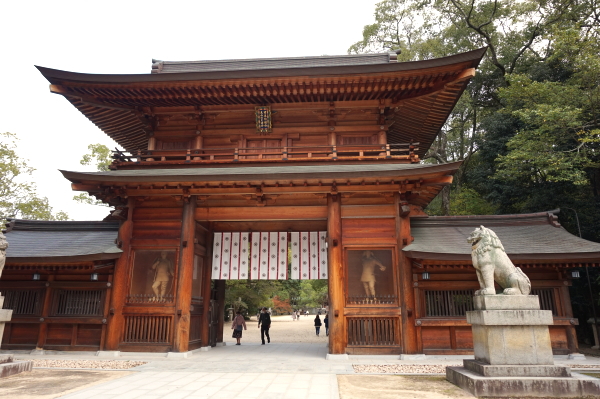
(534, 236)
(264, 173)
(61, 241)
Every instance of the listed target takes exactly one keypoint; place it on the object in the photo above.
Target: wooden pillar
(407, 298)
(198, 143)
(382, 137)
(116, 320)
(43, 332)
(572, 343)
(337, 331)
(206, 288)
(183, 299)
(220, 297)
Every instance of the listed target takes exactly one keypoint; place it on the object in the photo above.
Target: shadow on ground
(47, 384)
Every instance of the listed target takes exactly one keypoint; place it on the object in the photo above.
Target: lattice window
(78, 303)
(546, 296)
(448, 303)
(147, 330)
(376, 331)
(23, 302)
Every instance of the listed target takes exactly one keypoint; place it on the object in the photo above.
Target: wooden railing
(404, 151)
(546, 296)
(450, 303)
(372, 331)
(150, 299)
(147, 329)
(371, 300)
(78, 303)
(24, 302)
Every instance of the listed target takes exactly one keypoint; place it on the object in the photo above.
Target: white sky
(122, 37)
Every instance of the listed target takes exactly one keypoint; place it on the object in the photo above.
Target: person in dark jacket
(317, 324)
(326, 322)
(264, 323)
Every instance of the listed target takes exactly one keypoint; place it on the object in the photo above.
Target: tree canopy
(18, 195)
(99, 156)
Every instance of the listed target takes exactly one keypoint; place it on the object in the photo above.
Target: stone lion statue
(492, 264)
(3, 246)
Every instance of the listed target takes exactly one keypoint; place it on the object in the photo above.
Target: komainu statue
(492, 264)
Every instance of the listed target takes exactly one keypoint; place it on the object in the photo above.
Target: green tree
(101, 157)
(18, 196)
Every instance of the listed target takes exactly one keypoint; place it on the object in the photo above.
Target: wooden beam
(262, 213)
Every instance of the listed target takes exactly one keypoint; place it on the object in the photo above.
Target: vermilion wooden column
(119, 291)
(336, 275)
(206, 288)
(183, 299)
(407, 298)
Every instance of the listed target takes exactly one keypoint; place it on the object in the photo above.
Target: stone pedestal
(513, 353)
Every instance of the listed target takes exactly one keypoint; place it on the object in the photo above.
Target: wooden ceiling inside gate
(411, 100)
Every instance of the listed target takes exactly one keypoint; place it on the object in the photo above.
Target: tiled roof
(526, 236)
(46, 240)
(159, 66)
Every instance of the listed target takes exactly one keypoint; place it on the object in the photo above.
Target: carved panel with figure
(371, 278)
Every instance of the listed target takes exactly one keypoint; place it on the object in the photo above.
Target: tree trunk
(446, 201)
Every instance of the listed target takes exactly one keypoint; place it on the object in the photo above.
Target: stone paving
(272, 371)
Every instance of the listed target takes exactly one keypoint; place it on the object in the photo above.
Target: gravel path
(402, 368)
(88, 364)
(283, 330)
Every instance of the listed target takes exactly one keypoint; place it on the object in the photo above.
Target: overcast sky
(123, 37)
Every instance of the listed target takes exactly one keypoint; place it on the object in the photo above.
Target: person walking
(236, 326)
(317, 324)
(294, 315)
(326, 322)
(265, 321)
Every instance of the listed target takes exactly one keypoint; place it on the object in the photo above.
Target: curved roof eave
(55, 75)
(266, 173)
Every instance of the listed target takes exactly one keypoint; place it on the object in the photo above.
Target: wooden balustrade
(147, 329)
(405, 151)
(78, 303)
(372, 300)
(372, 331)
(23, 302)
(448, 303)
(150, 299)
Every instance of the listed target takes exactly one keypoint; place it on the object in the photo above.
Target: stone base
(488, 370)
(418, 356)
(15, 367)
(342, 356)
(576, 356)
(221, 343)
(204, 348)
(577, 385)
(179, 355)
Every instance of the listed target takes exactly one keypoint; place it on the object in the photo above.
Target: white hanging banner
(216, 263)
(282, 256)
(234, 271)
(244, 255)
(263, 268)
(264, 256)
(255, 256)
(314, 255)
(323, 255)
(295, 241)
(225, 256)
(304, 256)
